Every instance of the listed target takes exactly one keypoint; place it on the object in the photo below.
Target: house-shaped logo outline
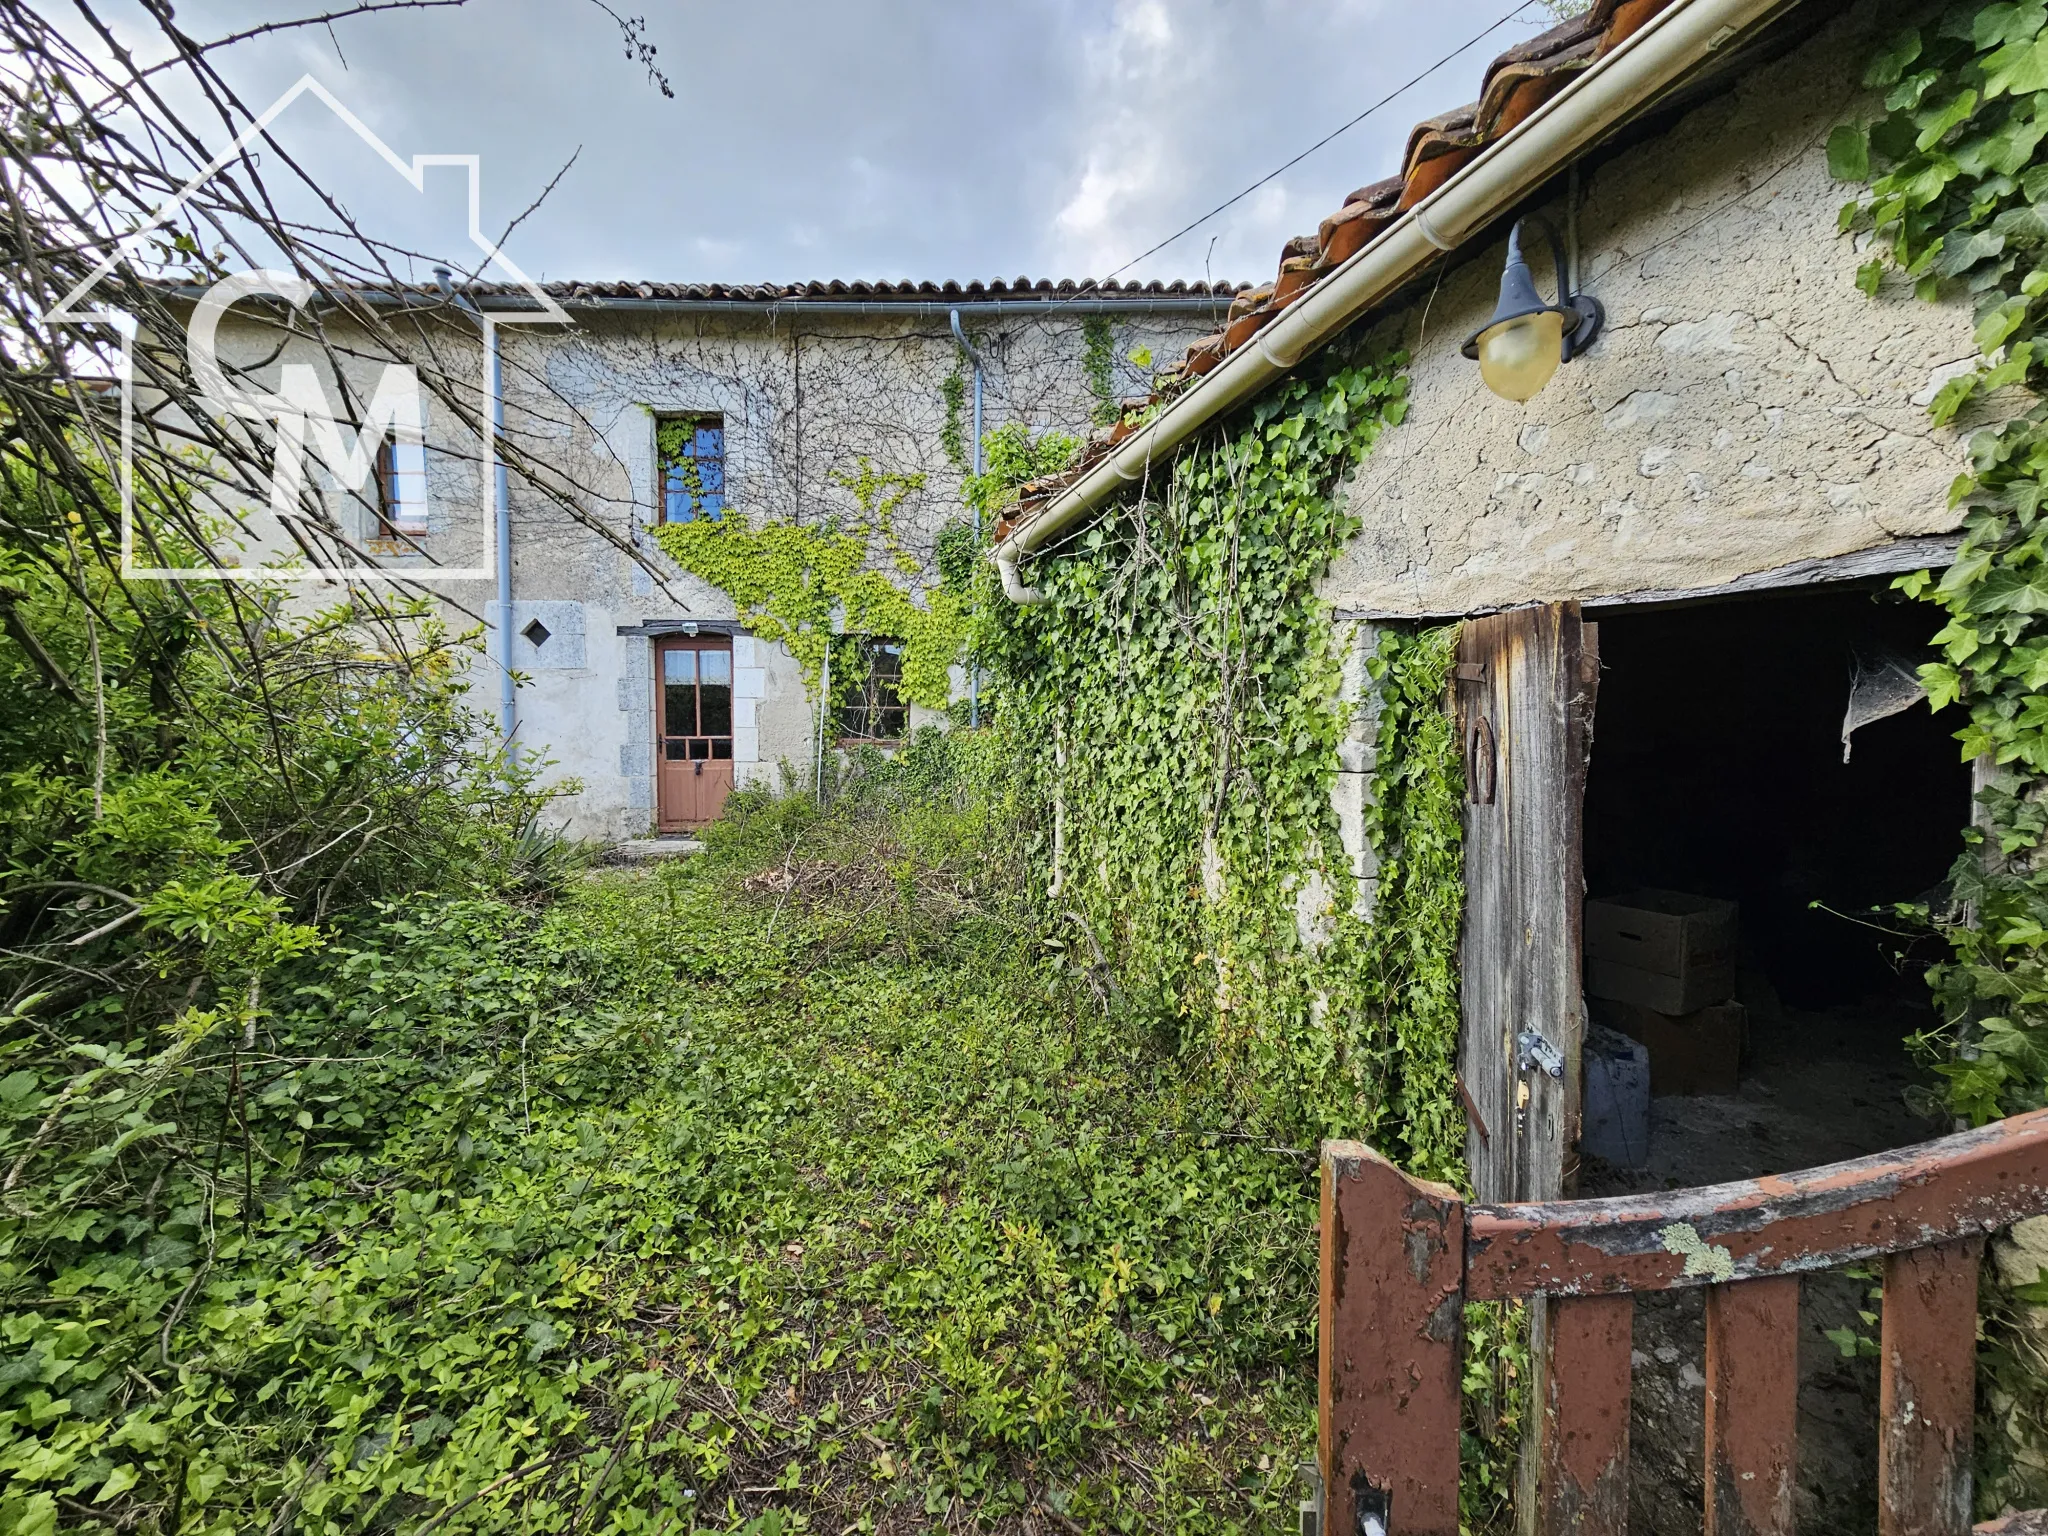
(66, 312)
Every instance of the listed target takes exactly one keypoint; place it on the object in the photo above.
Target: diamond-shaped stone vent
(536, 632)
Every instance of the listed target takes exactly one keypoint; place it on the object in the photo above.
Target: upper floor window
(872, 707)
(692, 455)
(401, 489)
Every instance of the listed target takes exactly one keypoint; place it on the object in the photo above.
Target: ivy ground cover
(802, 1188)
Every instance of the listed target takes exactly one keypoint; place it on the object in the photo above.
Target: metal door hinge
(1534, 1053)
(1311, 1510)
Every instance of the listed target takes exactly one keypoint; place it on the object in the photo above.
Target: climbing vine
(796, 582)
(952, 429)
(1957, 203)
(1952, 208)
(1098, 363)
(1183, 708)
(1181, 692)
(801, 582)
(1013, 456)
(1414, 824)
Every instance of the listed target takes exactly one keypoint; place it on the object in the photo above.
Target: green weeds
(756, 1194)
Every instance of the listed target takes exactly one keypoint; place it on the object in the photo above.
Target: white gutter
(1500, 176)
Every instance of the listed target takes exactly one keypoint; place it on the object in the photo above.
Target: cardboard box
(1690, 1053)
(1661, 949)
(1704, 986)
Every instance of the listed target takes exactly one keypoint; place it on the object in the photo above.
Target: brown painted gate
(692, 730)
(1401, 1257)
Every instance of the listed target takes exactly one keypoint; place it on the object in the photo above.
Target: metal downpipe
(508, 708)
(974, 356)
(501, 510)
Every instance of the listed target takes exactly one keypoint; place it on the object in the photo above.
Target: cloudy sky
(874, 138)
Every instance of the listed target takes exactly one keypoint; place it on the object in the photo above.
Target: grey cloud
(879, 138)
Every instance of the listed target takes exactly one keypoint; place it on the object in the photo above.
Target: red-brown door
(693, 730)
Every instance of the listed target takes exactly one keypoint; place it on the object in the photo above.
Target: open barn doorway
(1733, 861)
(1718, 788)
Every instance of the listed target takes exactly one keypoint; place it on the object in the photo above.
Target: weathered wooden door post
(1526, 684)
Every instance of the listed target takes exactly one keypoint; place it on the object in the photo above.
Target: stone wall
(803, 399)
(801, 407)
(1745, 408)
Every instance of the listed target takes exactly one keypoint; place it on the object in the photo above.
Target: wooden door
(693, 730)
(1526, 685)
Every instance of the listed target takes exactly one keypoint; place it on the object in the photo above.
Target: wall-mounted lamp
(1520, 347)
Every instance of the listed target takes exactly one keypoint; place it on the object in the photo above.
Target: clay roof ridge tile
(1515, 83)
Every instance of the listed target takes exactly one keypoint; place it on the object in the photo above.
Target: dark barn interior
(1717, 771)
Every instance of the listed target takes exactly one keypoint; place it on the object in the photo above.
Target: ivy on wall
(1180, 690)
(1179, 703)
(952, 428)
(1415, 826)
(1952, 207)
(1957, 202)
(1098, 362)
(796, 582)
(1011, 455)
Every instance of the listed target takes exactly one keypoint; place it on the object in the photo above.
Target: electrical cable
(1398, 90)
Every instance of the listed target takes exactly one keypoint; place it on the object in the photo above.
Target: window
(401, 489)
(872, 707)
(692, 453)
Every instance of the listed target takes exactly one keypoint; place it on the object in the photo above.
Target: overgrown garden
(374, 1163)
(370, 1161)
(797, 1188)
(937, 1151)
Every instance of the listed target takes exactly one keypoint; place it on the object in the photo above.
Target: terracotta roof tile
(910, 292)
(1515, 85)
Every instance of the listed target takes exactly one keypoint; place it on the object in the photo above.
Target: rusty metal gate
(1401, 1257)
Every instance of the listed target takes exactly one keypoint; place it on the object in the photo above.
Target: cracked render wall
(1745, 407)
(803, 399)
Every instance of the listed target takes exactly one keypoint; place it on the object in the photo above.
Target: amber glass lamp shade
(1518, 356)
(1520, 347)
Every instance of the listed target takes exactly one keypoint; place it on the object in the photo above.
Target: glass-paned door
(693, 730)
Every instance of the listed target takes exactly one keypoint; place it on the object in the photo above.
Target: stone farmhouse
(641, 682)
(1669, 520)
